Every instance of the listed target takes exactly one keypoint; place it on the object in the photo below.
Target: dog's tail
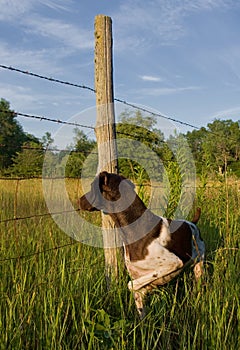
(196, 216)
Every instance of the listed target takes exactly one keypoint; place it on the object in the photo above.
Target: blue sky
(180, 58)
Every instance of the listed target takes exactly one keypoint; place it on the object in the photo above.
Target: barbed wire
(59, 121)
(145, 110)
(117, 132)
(39, 177)
(39, 148)
(142, 184)
(154, 186)
(155, 114)
(25, 115)
(37, 216)
(38, 253)
(140, 108)
(47, 78)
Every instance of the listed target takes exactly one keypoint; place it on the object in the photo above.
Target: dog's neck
(136, 222)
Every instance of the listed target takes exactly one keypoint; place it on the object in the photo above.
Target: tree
(222, 143)
(81, 149)
(82, 143)
(29, 161)
(146, 139)
(47, 140)
(195, 141)
(12, 135)
(216, 148)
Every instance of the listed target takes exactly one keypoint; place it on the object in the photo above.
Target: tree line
(215, 149)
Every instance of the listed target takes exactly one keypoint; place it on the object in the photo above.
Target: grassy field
(54, 294)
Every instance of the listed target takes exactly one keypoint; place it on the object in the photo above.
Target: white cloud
(18, 95)
(151, 78)
(35, 60)
(24, 11)
(26, 99)
(231, 57)
(163, 20)
(62, 5)
(11, 9)
(232, 112)
(167, 90)
(67, 33)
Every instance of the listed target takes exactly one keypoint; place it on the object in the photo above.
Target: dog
(156, 249)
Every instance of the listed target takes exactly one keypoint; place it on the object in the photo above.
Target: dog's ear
(103, 176)
(104, 180)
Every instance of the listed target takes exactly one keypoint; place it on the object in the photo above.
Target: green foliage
(216, 148)
(195, 140)
(82, 148)
(82, 143)
(142, 181)
(12, 135)
(47, 140)
(146, 140)
(179, 177)
(15, 158)
(29, 161)
(74, 164)
(23, 155)
(105, 330)
(69, 163)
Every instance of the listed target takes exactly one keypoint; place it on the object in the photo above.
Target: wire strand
(38, 253)
(145, 110)
(53, 120)
(46, 78)
(37, 216)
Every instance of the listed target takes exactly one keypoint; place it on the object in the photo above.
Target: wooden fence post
(105, 128)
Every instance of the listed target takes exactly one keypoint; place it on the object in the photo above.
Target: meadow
(54, 293)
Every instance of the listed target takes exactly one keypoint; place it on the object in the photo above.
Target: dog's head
(109, 192)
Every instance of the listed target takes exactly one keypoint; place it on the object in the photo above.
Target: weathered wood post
(105, 127)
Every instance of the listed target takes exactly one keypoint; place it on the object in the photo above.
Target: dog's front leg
(139, 299)
(198, 270)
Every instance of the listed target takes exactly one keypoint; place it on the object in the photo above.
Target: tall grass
(54, 293)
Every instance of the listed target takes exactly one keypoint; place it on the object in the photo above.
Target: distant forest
(215, 149)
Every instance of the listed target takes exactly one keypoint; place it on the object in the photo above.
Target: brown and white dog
(155, 249)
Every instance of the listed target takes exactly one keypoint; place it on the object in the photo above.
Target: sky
(179, 58)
